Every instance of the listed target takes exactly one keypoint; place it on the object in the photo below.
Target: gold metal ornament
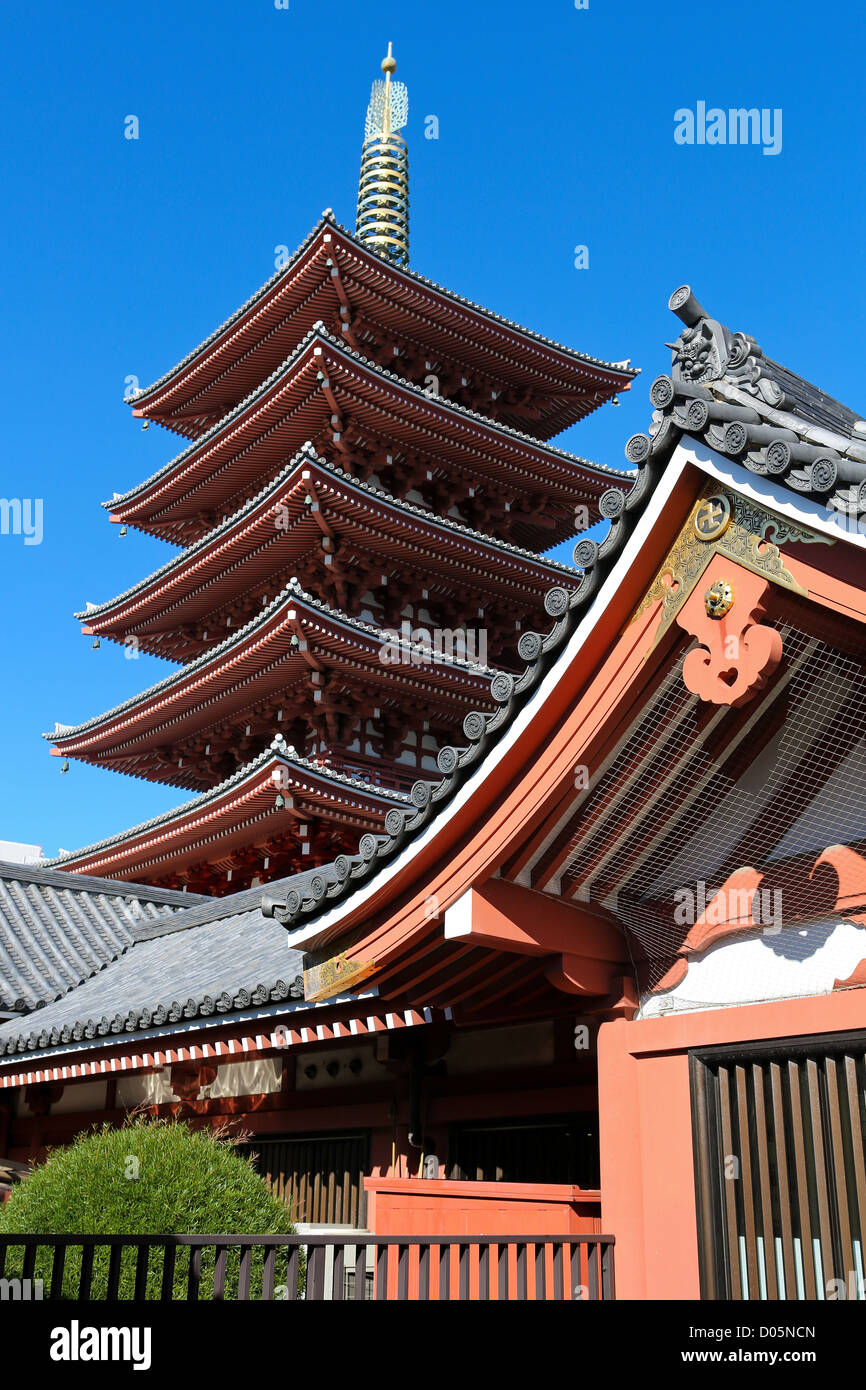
(325, 978)
(750, 536)
(719, 599)
(713, 517)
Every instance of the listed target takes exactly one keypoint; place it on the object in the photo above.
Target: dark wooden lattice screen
(780, 1156)
(320, 1177)
(557, 1150)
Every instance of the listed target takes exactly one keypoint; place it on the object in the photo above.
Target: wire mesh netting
(697, 793)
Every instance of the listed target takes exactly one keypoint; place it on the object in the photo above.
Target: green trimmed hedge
(149, 1177)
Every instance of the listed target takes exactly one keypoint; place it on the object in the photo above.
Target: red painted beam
(505, 916)
(587, 951)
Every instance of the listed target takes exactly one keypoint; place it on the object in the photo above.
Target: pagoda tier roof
(335, 277)
(351, 526)
(327, 393)
(297, 655)
(238, 815)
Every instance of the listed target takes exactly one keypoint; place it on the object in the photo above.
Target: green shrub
(149, 1177)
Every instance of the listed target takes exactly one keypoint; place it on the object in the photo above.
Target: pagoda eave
(344, 524)
(293, 657)
(241, 815)
(331, 270)
(326, 394)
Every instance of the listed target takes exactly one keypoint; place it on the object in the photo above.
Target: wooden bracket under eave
(587, 951)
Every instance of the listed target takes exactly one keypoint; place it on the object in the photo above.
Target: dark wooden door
(780, 1157)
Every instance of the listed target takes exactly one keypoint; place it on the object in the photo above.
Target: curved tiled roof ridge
(318, 331)
(138, 1019)
(307, 454)
(289, 593)
(725, 392)
(733, 366)
(328, 220)
(278, 747)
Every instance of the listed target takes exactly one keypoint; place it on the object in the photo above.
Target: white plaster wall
(154, 1088)
(245, 1079)
(788, 964)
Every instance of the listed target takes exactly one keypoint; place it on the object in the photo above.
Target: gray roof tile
(723, 390)
(210, 960)
(57, 929)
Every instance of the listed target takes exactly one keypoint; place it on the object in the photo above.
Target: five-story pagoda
(361, 512)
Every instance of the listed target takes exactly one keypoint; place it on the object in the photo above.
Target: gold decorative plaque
(724, 523)
(713, 517)
(329, 977)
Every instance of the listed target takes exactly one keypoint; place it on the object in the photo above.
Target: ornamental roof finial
(383, 193)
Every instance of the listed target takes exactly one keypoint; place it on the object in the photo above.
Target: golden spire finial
(383, 194)
(389, 67)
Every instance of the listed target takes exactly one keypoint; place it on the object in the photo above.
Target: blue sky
(555, 130)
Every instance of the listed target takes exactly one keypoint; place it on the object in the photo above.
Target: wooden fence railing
(307, 1267)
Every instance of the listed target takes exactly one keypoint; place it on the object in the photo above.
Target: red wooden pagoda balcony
(369, 770)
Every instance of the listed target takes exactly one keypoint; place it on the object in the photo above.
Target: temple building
(606, 973)
(362, 512)
(586, 959)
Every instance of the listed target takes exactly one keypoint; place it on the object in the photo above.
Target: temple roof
(295, 645)
(221, 972)
(725, 392)
(250, 548)
(209, 962)
(331, 270)
(324, 381)
(56, 929)
(710, 365)
(238, 812)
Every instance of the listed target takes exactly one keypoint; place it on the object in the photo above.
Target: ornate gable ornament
(707, 351)
(723, 523)
(738, 652)
(713, 581)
